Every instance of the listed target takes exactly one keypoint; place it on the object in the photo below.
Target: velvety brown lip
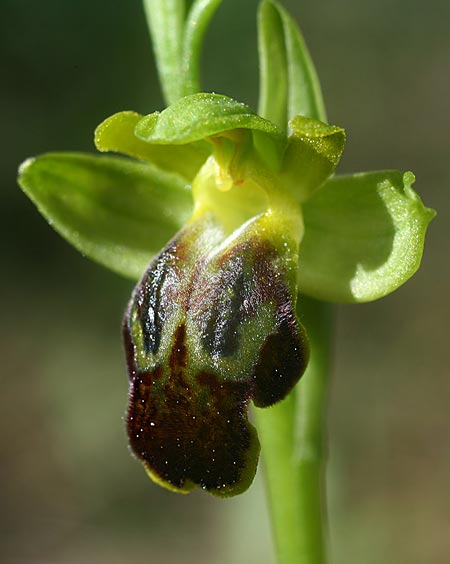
(187, 421)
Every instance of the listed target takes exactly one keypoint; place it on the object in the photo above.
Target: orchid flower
(224, 216)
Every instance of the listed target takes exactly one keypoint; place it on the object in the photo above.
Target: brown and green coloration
(210, 326)
(212, 323)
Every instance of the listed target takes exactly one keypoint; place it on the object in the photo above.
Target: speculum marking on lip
(150, 302)
(190, 386)
(220, 323)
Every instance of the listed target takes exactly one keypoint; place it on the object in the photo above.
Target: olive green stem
(292, 440)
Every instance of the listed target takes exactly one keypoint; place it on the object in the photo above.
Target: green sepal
(115, 211)
(116, 133)
(313, 151)
(200, 116)
(364, 236)
(211, 116)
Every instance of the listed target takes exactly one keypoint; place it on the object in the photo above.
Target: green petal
(364, 236)
(304, 92)
(116, 133)
(272, 65)
(115, 211)
(313, 151)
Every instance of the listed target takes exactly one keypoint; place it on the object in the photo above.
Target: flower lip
(211, 326)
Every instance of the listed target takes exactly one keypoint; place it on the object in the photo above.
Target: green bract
(223, 217)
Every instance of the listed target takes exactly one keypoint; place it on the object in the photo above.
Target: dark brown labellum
(210, 326)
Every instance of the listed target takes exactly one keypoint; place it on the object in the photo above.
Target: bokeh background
(70, 493)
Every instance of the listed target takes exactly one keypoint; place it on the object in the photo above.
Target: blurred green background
(70, 492)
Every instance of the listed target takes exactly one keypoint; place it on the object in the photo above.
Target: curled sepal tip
(210, 326)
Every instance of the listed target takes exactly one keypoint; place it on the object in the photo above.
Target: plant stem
(292, 440)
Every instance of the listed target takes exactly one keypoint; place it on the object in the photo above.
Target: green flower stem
(292, 440)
